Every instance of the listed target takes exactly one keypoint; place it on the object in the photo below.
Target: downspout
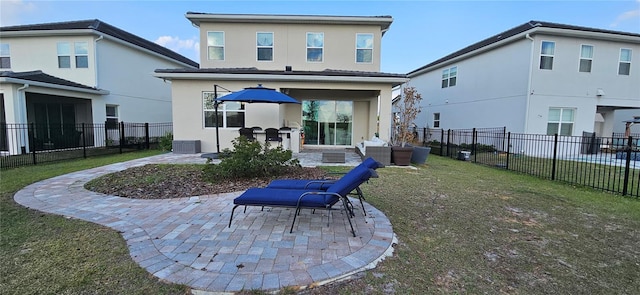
(529, 91)
(24, 137)
(23, 103)
(95, 58)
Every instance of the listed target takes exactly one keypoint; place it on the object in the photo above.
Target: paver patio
(188, 241)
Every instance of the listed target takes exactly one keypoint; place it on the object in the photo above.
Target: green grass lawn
(465, 228)
(462, 228)
(49, 254)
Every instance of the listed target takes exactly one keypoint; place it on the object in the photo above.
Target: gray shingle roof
(327, 72)
(515, 31)
(39, 76)
(104, 28)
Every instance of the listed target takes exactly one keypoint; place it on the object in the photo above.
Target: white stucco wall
(494, 88)
(490, 91)
(40, 53)
(565, 86)
(128, 75)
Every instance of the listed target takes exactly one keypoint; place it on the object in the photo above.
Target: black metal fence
(606, 163)
(31, 144)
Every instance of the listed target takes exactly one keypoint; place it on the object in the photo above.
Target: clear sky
(422, 31)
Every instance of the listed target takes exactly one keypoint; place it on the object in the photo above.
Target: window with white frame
(547, 50)
(264, 43)
(560, 121)
(586, 58)
(5, 56)
(230, 113)
(64, 55)
(449, 77)
(112, 116)
(364, 48)
(81, 51)
(215, 45)
(624, 67)
(315, 47)
(436, 120)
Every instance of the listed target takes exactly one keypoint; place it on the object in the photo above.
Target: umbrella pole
(215, 107)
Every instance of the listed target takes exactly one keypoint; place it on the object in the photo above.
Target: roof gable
(39, 76)
(105, 28)
(523, 28)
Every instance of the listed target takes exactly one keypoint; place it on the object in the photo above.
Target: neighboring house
(331, 64)
(536, 78)
(79, 72)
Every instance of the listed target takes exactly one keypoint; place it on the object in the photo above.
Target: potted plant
(408, 109)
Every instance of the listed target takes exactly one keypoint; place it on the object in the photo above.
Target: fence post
(508, 149)
(84, 142)
(627, 166)
(32, 142)
(121, 136)
(441, 142)
(449, 143)
(473, 144)
(106, 134)
(424, 137)
(146, 134)
(555, 157)
(504, 133)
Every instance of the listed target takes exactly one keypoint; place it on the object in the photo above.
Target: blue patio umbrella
(259, 94)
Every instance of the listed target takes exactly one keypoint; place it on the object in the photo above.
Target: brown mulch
(158, 181)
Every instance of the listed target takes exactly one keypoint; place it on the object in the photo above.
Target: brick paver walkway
(188, 240)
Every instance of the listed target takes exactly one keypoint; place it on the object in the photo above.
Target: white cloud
(187, 47)
(11, 11)
(626, 16)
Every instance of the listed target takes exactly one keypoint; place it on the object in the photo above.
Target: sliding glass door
(327, 122)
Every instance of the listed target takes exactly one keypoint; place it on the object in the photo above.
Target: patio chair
(248, 133)
(307, 199)
(273, 134)
(323, 184)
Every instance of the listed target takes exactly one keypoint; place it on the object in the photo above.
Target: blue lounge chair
(323, 184)
(306, 199)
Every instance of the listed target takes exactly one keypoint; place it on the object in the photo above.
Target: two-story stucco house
(331, 64)
(81, 72)
(536, 78)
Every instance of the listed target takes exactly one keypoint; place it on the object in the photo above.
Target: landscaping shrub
(166, 142)
(251, 159)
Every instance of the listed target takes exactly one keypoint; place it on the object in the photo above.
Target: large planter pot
(401, 155)
(420, 154)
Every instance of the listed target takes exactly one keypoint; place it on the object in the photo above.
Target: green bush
(166, 142)
(251, 159)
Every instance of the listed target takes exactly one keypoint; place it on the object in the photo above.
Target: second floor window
(5, 56)
(624, 67)
(264, 43)
(215, 45)
(436, 120)
(230, 113)
(315, 46)
(364, 48)
(586, 58)
(449, 77)
(81, 50)
(64, 55)
(546, 55)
